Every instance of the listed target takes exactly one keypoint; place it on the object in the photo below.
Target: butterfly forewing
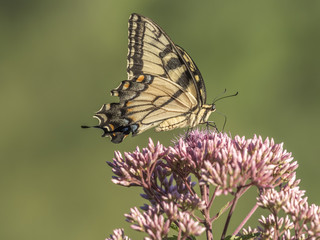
(151, 51)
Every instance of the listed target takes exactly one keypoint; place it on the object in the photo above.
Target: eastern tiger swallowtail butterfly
(164, 88)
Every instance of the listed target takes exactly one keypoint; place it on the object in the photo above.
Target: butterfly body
(164, 88)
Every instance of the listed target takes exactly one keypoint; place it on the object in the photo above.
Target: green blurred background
(60, 59)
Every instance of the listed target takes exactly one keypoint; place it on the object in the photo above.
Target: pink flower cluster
(232, 163)
(302, 220)
(220, 165)
(157, 227)
(118, 234)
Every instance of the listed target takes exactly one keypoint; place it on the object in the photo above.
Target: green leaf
(222, 210)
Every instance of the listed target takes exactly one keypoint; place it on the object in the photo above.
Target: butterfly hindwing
(145, 102)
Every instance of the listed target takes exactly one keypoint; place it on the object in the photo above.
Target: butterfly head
(208, 109)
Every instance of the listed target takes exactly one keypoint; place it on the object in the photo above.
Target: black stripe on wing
(196, 74)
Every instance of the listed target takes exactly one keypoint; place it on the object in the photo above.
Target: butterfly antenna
(219, 98)
(214, 100)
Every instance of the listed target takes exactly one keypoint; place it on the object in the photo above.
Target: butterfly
(164, 89)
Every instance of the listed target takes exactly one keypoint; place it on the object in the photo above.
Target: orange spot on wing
(129, 103)
(111, 126)
(140, 78)
(126, 85)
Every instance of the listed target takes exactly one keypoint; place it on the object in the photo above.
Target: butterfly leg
(211, 124)
(187, 132)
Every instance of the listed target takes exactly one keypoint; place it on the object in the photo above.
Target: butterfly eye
(213, 107)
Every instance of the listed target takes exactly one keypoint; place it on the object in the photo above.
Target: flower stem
(234, 203)
(209, 231)
(213, 197)
(245, 219)
(188, 186)
(204, 189)
(229, 204)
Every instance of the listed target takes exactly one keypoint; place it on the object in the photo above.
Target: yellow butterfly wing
(164, 86)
